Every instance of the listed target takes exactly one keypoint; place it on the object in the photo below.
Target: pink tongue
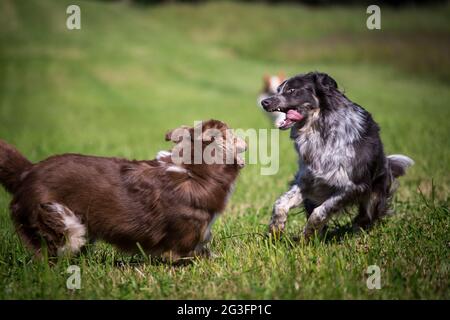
(294, 115)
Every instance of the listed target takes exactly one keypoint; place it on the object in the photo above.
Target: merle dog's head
(300, 97)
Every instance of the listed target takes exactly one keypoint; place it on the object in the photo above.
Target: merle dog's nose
(265, 103)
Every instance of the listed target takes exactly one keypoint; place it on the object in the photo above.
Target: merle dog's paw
(276, 230)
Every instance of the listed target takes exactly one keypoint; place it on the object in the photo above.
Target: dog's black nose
(265, 103)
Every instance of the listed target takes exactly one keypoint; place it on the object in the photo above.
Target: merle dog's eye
(291, 91)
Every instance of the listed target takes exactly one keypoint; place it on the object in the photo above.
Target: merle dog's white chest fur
(326, 150)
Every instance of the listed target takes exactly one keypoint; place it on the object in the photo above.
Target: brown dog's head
(209, 142)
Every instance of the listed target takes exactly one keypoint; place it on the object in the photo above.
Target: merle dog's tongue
(294, 115)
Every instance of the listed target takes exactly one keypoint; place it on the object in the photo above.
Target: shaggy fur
(341, 157)
(167, 208)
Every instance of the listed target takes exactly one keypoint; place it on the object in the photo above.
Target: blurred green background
(134, 71)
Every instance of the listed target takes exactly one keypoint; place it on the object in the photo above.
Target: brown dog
(165, 207)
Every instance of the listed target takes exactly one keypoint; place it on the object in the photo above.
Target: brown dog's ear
(176, 135)
(281, 76)
(266, 79)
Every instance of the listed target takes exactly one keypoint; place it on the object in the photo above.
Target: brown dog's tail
(12, 165)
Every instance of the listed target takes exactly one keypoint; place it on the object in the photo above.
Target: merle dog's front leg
(292, 198)
(335, 203)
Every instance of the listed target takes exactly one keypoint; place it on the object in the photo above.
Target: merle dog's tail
(12, 165)
(398, 164)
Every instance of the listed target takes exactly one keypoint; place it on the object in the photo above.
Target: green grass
(131, 73)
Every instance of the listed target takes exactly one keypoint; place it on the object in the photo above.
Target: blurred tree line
(307, 2)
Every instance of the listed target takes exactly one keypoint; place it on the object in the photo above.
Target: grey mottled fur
(341, 157)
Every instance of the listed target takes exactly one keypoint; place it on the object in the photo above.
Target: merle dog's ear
(281, 85)
(324, 81)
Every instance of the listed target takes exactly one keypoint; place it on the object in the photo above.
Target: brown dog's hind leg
(62, 229)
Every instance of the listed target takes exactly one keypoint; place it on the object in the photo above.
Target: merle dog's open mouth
(292, 116)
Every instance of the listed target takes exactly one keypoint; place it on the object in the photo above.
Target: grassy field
(117, 85)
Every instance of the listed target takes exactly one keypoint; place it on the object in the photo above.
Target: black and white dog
(341, 157)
